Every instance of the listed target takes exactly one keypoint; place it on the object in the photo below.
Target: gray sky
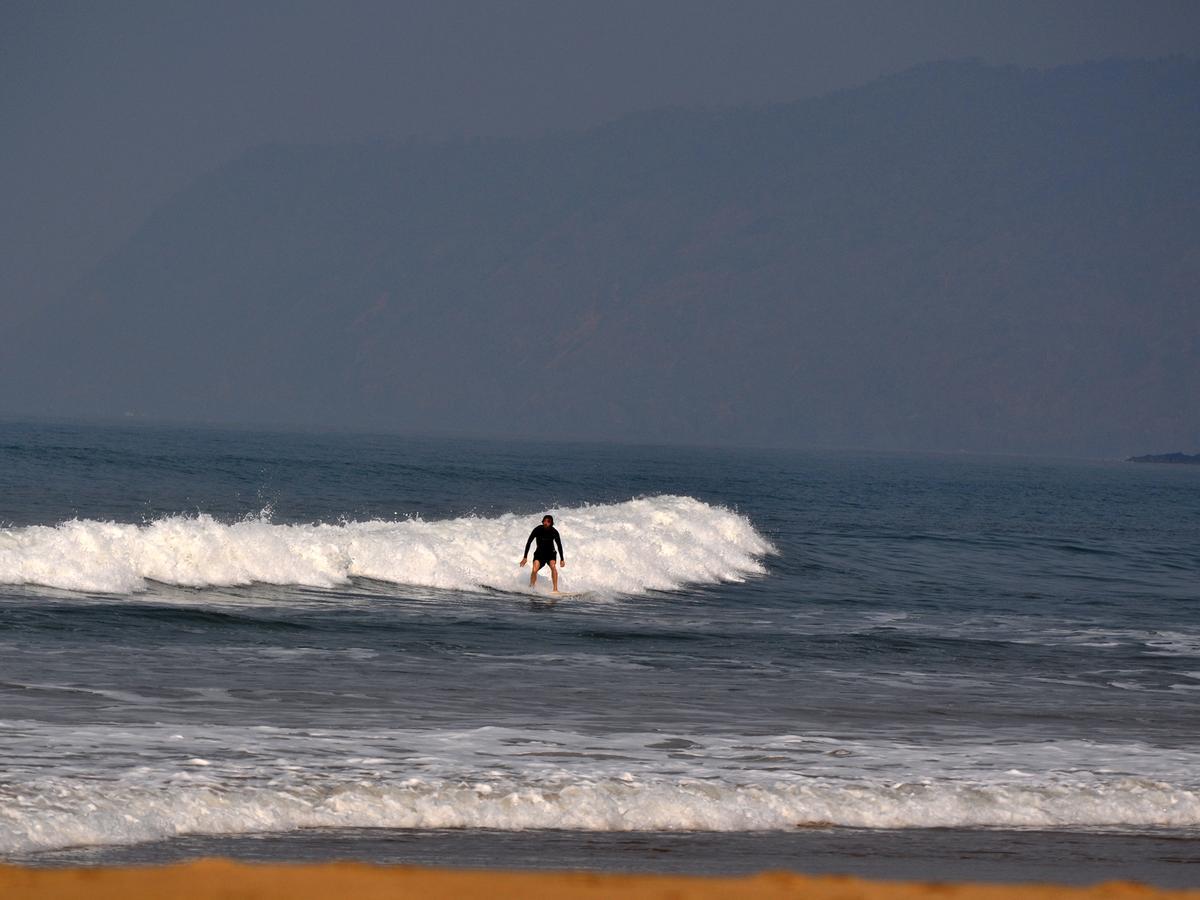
(108, 108)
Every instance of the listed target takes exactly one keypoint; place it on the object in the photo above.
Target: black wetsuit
(546, 538)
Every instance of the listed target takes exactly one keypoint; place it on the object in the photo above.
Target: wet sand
(1162, 859)
(212, 879)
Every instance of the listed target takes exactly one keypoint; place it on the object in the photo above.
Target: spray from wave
(654, 543)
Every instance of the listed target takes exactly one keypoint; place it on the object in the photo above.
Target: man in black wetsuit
(547, 537)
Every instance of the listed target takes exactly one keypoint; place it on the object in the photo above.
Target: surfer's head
(548, 521)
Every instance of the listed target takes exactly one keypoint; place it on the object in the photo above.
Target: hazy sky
(107, 108)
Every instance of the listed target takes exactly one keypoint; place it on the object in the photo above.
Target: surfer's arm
(562, 556)
(525, 553)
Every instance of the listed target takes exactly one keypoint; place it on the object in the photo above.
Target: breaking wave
(654, 543)
(85, 813)
(143, 783)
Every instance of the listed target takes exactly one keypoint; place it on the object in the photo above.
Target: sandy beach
(236, 881)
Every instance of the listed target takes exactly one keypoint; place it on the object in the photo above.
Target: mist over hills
(957, 257)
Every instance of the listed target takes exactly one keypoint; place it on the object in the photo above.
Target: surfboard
(538, 595)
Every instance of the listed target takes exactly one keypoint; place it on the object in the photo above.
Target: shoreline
(219, 878)
(1164, 860)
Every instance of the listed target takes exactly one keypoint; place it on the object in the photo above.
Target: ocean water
(298, 646)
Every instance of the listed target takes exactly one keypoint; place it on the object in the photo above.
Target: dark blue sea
(303, 646)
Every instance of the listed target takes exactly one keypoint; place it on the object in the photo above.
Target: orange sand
(213, 879)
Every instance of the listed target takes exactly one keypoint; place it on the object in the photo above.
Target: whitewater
(268, 779)
(654, 543)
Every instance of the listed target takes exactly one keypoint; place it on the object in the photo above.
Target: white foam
(64, 813)
(654, 543)
(128, 784)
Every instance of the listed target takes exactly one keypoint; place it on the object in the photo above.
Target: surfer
(547, 538)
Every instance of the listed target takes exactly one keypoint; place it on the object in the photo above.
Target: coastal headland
(1186, 459)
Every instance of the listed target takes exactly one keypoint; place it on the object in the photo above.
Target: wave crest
(653, 543)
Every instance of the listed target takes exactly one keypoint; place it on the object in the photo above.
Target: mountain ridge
(956, 257)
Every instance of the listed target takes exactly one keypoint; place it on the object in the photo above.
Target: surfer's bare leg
(533, 573)
(554, 574)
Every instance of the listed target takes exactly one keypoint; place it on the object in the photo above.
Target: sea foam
(151, 782)
(71, 813)
(653, 543)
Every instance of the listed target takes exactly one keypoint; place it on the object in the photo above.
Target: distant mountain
(957, 257)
